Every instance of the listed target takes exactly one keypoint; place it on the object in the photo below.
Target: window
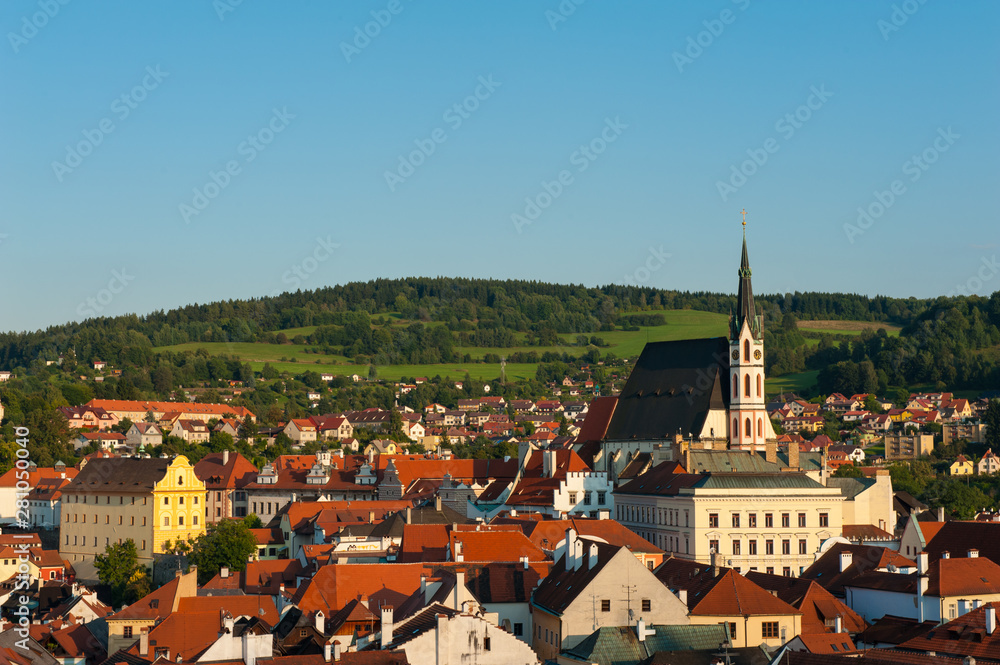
(752, 520)
(647, 605)
(486, 644)
(746, 349)
(133, 521)
(166, 520)
(769, 629)
(802, 547)
(769, 570)
(196, 501)
(518, 629)
(713, 520)
(127, 632)
(746, 389)
(180, 501)
(166, 501)
(769, 547)
(736, 520)
(732, 630)
(180, 480)
(824, 519)
(144, 521)
(768, 521)
(121, 520)
(144, 545)
(760, 423)
(572, 497)
(218, 512)
(605, 605)
(758, 390)
(736, 547)
(802, 519)
(786, 547)
(786, 571)
(752, 548)
(736, 391)
(786, 520)
(194, 519)
(749, 429)
(736, 421)
(180, 520)
(602, 498)
(713, 546)
(586, 498)
(218, 496)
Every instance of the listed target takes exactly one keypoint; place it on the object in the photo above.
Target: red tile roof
(494, 546)
(423, 542)
(333, 586)
(964, 636)
(112, 405)
(731, 594)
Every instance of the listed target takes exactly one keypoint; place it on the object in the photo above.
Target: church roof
(671, 389)
(746, 311)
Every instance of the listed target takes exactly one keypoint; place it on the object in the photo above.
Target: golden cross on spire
(744, 213)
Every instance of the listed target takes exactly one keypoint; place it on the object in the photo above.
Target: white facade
(464, 638)
(584, 492)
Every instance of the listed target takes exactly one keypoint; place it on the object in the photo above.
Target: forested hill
(464, 304)
(951, 340)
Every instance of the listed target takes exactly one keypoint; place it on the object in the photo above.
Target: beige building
(766, 522)
(593, 585)
(115, 499)
(907, 446)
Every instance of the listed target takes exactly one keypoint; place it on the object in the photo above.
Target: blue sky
(603, 142)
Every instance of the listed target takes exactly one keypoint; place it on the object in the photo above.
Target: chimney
(144, 642)
(771, 451)
(973, 554)
(991, 619)
(577, 554)
(386, 626)
(940, 514)
(458, 551)
(225, 457)
(838, 624)
(320, 621)
(409, 515)
(846, 558)
(715, 563)
(371, 517)
(642, 632)
(224, 572)
(437, 503)
(592, 556)
(327, 651)
(793, 455)
(682, 595)
(570, 542)
(524, 562)
(336, 651)
(922, 563)
(946, 554)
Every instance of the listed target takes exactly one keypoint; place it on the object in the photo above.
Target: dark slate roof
(419, 623)
(742, 461)
(671, 389)
(393, 525)
(503, 583)
(958, 538)
(851, 487)
(119, 474)
(620, 644)
(895, 630)
(561, 587)
(665, 479)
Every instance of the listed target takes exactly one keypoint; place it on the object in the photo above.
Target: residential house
(301, 430)
(714, 595)
(45, 498)
(164, 499)
(973, 432)
(136, 410)
(988, 465)
(592, 585)
(907, 446)
(143, 435)
(192, 431)
(12, 487)
(917, 535)
(112, 441)
(331, 427)
(88, 417)
(962, 466)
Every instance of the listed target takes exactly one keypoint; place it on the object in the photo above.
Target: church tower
(749, 425)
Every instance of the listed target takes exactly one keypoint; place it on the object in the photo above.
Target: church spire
(746, 311)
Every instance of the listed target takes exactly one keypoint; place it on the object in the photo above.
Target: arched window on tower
(746, 385)
(758, 385)
(736, 385)
(746, 349)
(760, 428)
(749, 429)
(736, 427)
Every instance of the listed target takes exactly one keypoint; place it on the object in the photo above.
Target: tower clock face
(736, 354)
(757, 354)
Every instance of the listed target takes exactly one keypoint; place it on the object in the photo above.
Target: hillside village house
(117, 498)
(88, 418)
(225, 475)
(192, 431)
(907, 446)
(962, 466)
(301, 430)
(989, 464)
(143, 435)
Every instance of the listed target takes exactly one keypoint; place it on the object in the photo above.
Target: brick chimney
(793, 455)
(771, 451)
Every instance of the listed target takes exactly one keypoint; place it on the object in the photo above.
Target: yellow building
(114, 499)
(962, 466)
